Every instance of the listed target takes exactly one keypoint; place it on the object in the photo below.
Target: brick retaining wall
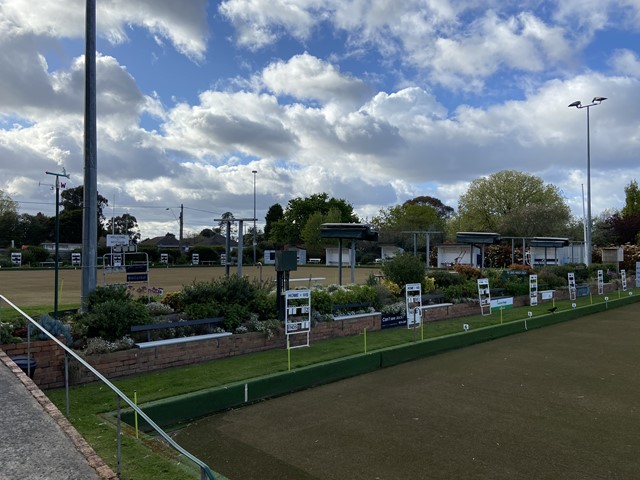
(50, 358)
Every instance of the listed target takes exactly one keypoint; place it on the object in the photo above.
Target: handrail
(204, 468)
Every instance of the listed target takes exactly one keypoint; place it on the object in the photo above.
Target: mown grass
(146, 459)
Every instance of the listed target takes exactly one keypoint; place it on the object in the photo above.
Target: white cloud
(306, 77)
(626, 62)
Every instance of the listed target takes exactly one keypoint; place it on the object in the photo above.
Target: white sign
(637, 274)
(533, 290)
(502, 302)
(484, 296)
(164, 258)
(16, 258)
(600, 282)
(195, 259)
(76, 259)
(114, 240)
(413, 302)
(546, 294)
(297, 318)
(572, 286)
(623, 276)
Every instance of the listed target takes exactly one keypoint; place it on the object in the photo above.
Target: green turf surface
(88, 402)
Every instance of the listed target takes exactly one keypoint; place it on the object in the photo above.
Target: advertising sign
(502, 303)
(390, 320)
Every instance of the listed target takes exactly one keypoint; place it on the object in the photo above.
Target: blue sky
(372, 101)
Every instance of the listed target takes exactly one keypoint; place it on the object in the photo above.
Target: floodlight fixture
(587, 236)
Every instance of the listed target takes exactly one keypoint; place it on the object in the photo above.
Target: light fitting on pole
(577, 103)
(598, 99)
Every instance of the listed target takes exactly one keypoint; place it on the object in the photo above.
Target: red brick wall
(50, 359)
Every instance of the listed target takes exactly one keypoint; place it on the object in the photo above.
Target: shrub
(156, 308)
(114, 293)
(174, 300)
(56, 328)
(459, 293)
(468, 272)
(403, 269)
(202, 310)
(100, 345)
(445, 279)
(234, 315)
(113, 319)
(321, 301)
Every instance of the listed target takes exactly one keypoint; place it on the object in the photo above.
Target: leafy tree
(311, 231)
(8, 219)
(514, 203)
(418, 214)
(35, 229)
(299, 210)
(274, 214)
(223, 224)
(443, 211)
(632, 200)
(72, 202)
(126, 225)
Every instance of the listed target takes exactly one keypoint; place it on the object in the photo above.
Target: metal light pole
(587, 241)
(255, 260)
(57, 235)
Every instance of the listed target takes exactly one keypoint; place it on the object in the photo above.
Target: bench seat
(172, 341)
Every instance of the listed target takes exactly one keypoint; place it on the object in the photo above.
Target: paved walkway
(36, 440)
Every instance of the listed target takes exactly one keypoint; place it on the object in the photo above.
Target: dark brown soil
(555, 403)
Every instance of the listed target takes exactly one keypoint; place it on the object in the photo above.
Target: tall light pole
(587, 241)
(57, 235)
(255, 260)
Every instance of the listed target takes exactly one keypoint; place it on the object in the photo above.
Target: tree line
(27, 229)
(509, 202)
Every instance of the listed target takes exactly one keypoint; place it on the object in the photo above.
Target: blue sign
(389, 320)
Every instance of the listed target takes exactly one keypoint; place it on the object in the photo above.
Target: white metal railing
(205, 472)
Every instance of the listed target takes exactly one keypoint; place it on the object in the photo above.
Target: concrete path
(36, 440)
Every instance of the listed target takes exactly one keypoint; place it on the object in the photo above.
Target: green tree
(8, 219)
(274, 214)
(418, 214)
(35, 229)
(289, 229)
(72, 202)
(514, 203)
(632, 200)
(311, 231)
(126, 225)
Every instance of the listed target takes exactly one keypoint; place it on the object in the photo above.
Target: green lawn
(146, 459)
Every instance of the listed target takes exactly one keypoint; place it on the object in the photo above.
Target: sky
(371, 101)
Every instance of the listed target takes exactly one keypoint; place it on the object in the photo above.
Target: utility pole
(90, 197)
(57, 235)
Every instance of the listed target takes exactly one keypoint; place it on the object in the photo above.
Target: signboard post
(623, 276)
(572, 286)
(600, 282)
(76, 259)
(484, 296)
(533, 290)
(413, 303)
(297, 316)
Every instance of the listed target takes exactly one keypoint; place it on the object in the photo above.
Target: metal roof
(477, 237)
